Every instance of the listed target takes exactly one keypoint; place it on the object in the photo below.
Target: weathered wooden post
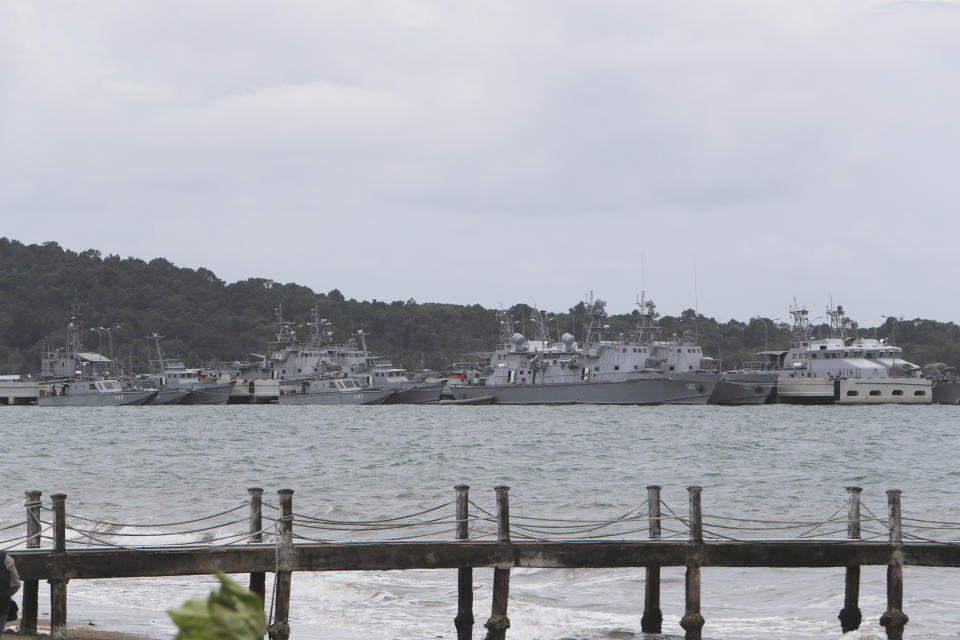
(652, 620)
(464, 619)
(58, 586)
(692, 621)
(895, 619)
(258, 579)
(850, 616)
(498, 623)
(31, 588)
(280, 629)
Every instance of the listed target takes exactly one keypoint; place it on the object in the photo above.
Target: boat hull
(745, 388)
(854, 390)
(170, 396)
(256, 391)
(946, 391)
(423, 393)
(357, 396)
(111, 399)
(215, 393)
(693, 388)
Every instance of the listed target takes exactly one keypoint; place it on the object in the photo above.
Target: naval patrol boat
(324, 358)
(71, 376)
(174, 376)
(638, 370)
(946, 382)
(845, 369)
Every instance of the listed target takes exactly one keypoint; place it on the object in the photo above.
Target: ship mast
(801, 323)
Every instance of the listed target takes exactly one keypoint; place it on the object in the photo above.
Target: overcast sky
(493, 152)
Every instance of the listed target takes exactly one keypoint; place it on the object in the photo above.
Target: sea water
(156, 465)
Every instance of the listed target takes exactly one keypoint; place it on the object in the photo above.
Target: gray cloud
(500, 151)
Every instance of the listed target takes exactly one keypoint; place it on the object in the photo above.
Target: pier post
(280, 629)
(652, 620)
(850, 616)
(692, 621)
(258, 579)
(31, 588)
(464, 620)
(895, 619)
(498, 623)
(58, 586)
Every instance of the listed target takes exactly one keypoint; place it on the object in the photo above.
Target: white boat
(846, 370)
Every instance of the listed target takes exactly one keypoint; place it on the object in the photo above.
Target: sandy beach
(81, 632)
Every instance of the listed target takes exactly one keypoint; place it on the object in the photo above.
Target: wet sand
(81, 632)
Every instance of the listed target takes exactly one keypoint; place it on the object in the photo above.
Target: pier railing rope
(652, 520)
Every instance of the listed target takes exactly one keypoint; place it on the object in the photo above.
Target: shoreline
(81, 632)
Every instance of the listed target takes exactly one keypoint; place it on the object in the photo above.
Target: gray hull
(358, 396)
(745, 388)
(424, 393)
(217, 393)
(693, 388)
(170, 396)
(112, 399)
(946, 391)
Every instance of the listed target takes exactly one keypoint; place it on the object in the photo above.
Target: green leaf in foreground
(232, 613)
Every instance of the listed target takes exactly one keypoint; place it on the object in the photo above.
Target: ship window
(823, 347)
(853, 393)
(919, 392)
(616, 368)
(92, 386)
(875, 392)
(898, 392)
(814, 356)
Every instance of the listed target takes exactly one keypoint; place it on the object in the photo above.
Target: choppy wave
(155, 465)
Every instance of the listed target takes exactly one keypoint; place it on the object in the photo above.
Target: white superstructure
(846, 370)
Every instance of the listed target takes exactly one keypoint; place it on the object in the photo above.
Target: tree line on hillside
(205, 319)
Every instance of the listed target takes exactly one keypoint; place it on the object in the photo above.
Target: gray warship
(946, 382)
(324, 358)
(634, 370)
(755, 383)
(74, 377)
(333, 390)
(173, 375)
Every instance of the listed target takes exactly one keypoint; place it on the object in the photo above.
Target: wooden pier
(246, 552)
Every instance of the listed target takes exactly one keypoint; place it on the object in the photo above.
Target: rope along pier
(259, 538)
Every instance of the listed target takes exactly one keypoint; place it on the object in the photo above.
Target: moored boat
(946, 382)
(173, 375)
(92, 393)
(846, 370)
(332, 391)
(14, 390)
(634, 370)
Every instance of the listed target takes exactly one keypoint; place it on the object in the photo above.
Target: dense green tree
(205, 319)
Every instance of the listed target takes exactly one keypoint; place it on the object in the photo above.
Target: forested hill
(206, 319)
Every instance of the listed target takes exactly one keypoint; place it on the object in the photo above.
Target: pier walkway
(256, 538)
